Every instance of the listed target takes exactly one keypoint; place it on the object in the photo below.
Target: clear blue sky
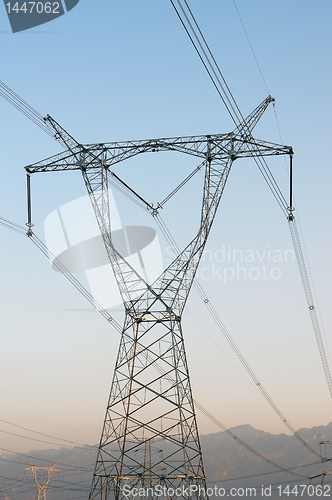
(111, 71)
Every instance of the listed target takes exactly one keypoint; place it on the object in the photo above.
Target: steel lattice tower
(150, 435)
(41, 488)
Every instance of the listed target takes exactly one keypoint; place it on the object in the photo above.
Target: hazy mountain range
(228, 465)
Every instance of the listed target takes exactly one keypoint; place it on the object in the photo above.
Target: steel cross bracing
(151, 404)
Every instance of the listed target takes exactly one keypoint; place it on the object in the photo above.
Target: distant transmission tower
(41, 488)
(150, 436)
(322, 447)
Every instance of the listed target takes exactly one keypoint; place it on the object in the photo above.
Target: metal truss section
(236, 144)
(113, 153)
(60, 134)
(150, 436)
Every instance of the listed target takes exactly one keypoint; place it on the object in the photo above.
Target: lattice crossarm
(245, 128)
(60, 134)
(194, 145)
(63, 161)
(112, 153)
(255, 147)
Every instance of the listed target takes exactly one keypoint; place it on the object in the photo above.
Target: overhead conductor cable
(234, 111)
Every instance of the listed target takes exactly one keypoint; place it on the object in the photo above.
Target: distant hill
(225, 460)
(227, 464)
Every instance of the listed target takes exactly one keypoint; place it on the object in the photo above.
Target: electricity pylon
(322, 447)
(41, 488)
(151, 400)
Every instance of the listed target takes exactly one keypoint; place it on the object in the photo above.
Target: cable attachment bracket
(290, 209)
(290, 215)
(29, 223)
(154, 210)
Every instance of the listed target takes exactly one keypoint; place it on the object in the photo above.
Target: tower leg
(150, 438)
